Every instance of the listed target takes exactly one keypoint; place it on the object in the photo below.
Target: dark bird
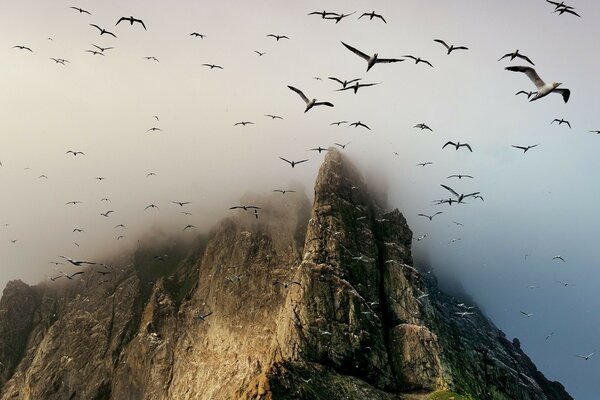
(419, 60)
(286, 284)
(292, 163)
(245, 208)
(78, 230)
(203, 317)
(338, 123)
(528, 94)
(323, 13)
(357, 86)
(94, 52)
(358, 123)
(150, 174)
(181, 203)
(154, 129)
(450, 48)
(106, 213)
(73, 202)
(151, 206)
(43, 176)
(525, 148)
(131, 21)
(319, 149)
(284, 191)
(569, 10)
(424, 164)
(196, 34)
(70, 277)
(458, 145)
(277, 37)
(185, 213)
(372, 15)
(103, 31)
(585, 357)
(543, 88)
(244, 123)
(310, 103)
(189, 226)
(516, 54)
(61, 61)
(259, 53)
(343, 83)
(559, 258)
(558, 5)
(81, 10)
(596, 132)
(22, 48)
(102, 49)
(338, 18)
(151, 58)
(100, 178)
(120, 226)
(273, 116)
(430, 216)
(212, 66)
(103, 272)
(343, 146)
(423, 126)
(371, 60)
(560, 121)
(460, 197)
(459, 176)
(77, 263)
(75, 152)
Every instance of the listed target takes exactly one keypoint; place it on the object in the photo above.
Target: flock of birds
(354, 85)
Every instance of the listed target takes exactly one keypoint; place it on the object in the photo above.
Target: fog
(540, 203)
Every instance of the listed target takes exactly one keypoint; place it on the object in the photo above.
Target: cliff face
(308, 304)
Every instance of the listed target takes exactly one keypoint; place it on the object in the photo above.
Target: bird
(150, 174)
(516, 54)
(78, 230)
(196, 34)
(14, 240)
(323, 13)
(423, 164)
(259, 53)
(75, 152)
(358, 123)
(131, 21)
(151, 206)
(525, 148)
(53, 278)
(463, 314)
(461, 196)
(120, 226)
(286, 284)
(277, 37)
(310, 103)
(422, 127)
(430, 216)
(61, 61)
(319, 149)
(585, 357)
(459, 176)
(339, 17)
(100, 178)
(343, 146)
(77, 263)
(189, 226)
(357, 86)
(151, 58)
(528, 94)
(528, 315)
(560, 122)
(419, 60)
(73, 202)
(559, 258)
(568, 10)
(371, 60)
(273, 116)
(43, 176)
(458, 145)
(212, 66)
(565, 284)
(154, 129)
(245, 208)
(338, 123)
(343, 83)
(543, 88)
(558, 5)
(103, 272)
(202, 317)
(372, 15)
(181, 203)
(81, 10)
(421, 237)
(596, 132)
(185, 213)
(103, 31)
(243, 123)
(22, 48)
(549, 335)
(70, 277)
(106, 213)
(94, 52)
(102, 49)
(457, 223)
(284, 191)
(293, 163)
(450, 48)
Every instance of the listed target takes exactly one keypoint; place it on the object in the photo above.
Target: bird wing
(356, 51)
(520, 147)
(409, 56)
(566, 93)
(301, 161)
(450, 190)
(300, 94)
(504, 56)
(381, 17)
(97, 27)
(461, 48)
(525, 58)
(335, 79)
(466, 145)
(427, 62)
(531, 74)
(388, 60)
(110, 33)
(437, 213)
(121, 19)
(442, 42)
(287, 161)
(141, 22)
(471, 194)
(323, 103)
(447, 143)
(423, 215)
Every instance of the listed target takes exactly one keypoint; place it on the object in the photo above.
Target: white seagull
(371, 60)
(543, 88)
(78, 263)
(310, 103)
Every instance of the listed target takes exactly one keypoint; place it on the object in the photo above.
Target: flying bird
(73, 202)
(259, 53)
(61, 61)
(78, 230)
(338, 123)
(430, 216)
(372, 15)
(423, 164)
(293, 163)
(558, 5)
(196, 34)
(245, 208)
(150, 174)
(585, 357)
(103, 31)
(528, 315)
(151, 58)
(277, 37)
(94, 52)
(202, 317)
(106, 213)
(102, 49)
(525, 148)
(450, 48)
(154, 129)
(423, 126)
(22, 48)
(323, 13)
(77, 263)
(75, 152)
(273, 116)
(151, 206)
(419, 60)
(568, 10)
(343, 146)
(120, 226)
(560, 122)
(319, 149)
(81, 10)
(459, 176)
(516, 54)
(461, 196)
(189, 226)
(559, 258)
(287, 284)
(543, 88)
(243, 123)
(458, 145)
(310, 103)
(339, 17)
(131, 21)
(357, 86)
(70, 277)
(343, 83)
(212, 66)
(358, 123)
(181, 203)
(371, 60)
(284, 191)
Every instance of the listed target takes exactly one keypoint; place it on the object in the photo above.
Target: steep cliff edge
(305, 304)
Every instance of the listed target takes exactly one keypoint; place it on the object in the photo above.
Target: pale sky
(542, 203)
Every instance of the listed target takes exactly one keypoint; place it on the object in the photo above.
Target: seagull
(77, 263)
(106, 213)
(450, 48)
(567, 9)
(458, 145)
(245, 208)
(528, 315)
(455, 240)
(357, 86)
(560, 121)
(284, 191)
(460, 197)
(372, 15)
(343, 83)
(81, 10)
(212, 66)
(319, 149)
(151, 206)
(189, 226)
(430, 216)
(525, 148)
(102, 49)
(357, 124)
(343, 146)
(585, 357)
(292, 163)
(196, 34)
(59, 60)
(273, 116)
(259, 53)
(103, 31)
(457, 223)
(528, 94)
(338, 123)
(424, 164)
(516, 54)
(559, 258)
(73, 202)
(419, 60)
(323, 13)
(131, 21)
(339, 17)
(421, 237)
(150, 174)
(120, 226)
(422, 126)
(203, 317)
(94, 52)
(310, 103)
(558, 5)
(565, 284)
(459, 176)
(181, 203)
(151, 58)
(75, 152)
(43, 176)
(78, 230)
(243, 123)
(22, 48)
(543, 88)
(549, 335)
(154, 129)
(277, 37)
(596, 132)
(72, 275)
(371, 60)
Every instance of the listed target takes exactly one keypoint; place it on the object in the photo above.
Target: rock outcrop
(320, 303)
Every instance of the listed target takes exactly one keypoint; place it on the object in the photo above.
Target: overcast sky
(542, 203)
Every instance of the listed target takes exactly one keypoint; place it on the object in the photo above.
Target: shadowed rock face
(320, 303)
